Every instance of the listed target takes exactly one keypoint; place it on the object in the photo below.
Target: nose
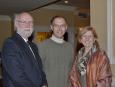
(28, 24)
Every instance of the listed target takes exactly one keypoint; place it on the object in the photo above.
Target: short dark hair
(57, 16)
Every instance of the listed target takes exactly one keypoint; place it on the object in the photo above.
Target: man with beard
(22, 66)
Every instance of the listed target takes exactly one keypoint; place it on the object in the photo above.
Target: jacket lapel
(24, 47)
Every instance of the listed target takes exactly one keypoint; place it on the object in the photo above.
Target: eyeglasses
(25, 22)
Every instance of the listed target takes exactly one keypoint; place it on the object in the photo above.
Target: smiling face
(59, 27)
(87, 39)
(24, 25)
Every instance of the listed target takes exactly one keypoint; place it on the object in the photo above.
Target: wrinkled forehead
(25, 17)
(59, 20)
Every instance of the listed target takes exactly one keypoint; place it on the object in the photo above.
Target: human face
(24, 25)
(87, 39)
(59, 27)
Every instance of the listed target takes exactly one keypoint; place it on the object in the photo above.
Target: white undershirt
(57, 40)
(25, 40)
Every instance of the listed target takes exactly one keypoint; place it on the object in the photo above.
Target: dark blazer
(20, 68)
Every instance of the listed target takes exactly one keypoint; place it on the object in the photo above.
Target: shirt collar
(23, 38)
(57, 40)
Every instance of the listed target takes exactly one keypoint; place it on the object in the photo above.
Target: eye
(59, 26)
(87, 36)
(25, 22)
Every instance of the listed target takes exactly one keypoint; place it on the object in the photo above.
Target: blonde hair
(82, 31)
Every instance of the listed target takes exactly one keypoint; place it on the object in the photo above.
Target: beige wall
(98, 12)
(113, 33)
(99, 21)
(113, 27)
(43, 16)
(79, 21)
(5, 30)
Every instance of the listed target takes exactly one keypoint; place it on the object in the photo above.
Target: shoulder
(45, 43)
(10, 46)
(8, 42)
(34, 45)
(101, 52)
(68, 44)
(101, 55)
(13, 41)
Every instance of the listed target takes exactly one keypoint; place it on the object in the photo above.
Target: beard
(25, 33)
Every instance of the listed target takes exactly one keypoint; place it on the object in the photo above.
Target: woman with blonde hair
(91, 67)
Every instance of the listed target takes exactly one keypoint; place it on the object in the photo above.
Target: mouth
(27, 30)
